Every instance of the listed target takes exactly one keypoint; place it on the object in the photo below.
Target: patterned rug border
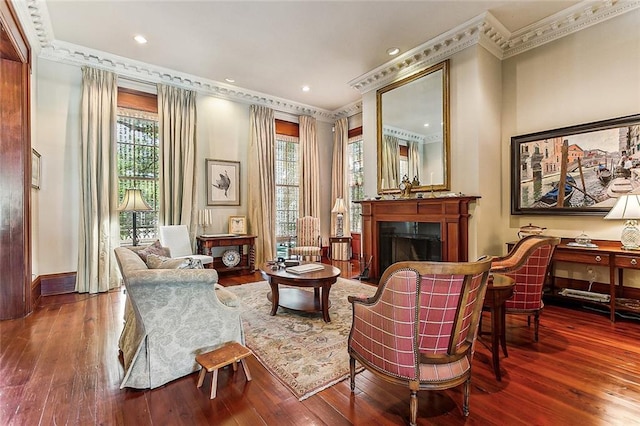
(261, 353)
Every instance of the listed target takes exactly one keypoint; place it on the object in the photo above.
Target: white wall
(57, 139)
(222, 133)
(588, 76)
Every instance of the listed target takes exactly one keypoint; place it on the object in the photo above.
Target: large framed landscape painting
(593, 163)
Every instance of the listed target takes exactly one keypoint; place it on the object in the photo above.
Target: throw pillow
(161, 262)
(155, 248)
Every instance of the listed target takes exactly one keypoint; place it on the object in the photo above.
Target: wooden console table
(608, 254)
(247, 259)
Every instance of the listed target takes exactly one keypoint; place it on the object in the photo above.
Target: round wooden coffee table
(297, 298)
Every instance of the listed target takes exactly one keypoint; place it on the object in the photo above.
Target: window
(138, 155)
(356, 176)
(287, 188)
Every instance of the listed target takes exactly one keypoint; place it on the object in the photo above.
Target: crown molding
(484, 30)
(489, 33)
(565, 22)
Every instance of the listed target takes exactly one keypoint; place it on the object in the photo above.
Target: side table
(339, 248)
(246, 263)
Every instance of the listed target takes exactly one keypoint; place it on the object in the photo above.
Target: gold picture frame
(36, 168)
(238, 225)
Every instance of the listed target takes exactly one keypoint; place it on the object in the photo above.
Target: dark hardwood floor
(60, 366)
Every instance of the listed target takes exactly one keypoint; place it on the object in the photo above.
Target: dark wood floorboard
(60, 365)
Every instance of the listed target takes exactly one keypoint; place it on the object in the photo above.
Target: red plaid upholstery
(384, 333)
(529, 276)
(420, 326)
(440, 297)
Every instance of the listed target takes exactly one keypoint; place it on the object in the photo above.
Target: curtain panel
(309, 203)
(177, 131)
(261, 171)
(340, 173)
(391, 162)
(98, 225)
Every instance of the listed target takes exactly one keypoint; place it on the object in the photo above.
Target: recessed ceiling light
(393, 51)
(140, 39)
(426, 124)
(306, 88)
(230, 80)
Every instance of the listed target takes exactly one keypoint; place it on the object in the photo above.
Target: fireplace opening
(411, 241)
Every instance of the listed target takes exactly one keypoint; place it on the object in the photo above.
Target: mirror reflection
(413, 136)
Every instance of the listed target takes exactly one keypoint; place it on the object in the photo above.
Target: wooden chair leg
(465, 400)
(536, 325)
(352, 373)
(413, 408)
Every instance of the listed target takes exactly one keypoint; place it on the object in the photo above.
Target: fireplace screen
(410, 241)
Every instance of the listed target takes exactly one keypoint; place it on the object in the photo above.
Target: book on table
(307, 267)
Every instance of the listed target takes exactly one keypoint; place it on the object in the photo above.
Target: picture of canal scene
(584, 171)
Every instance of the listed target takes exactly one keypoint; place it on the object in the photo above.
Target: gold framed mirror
(413, 132)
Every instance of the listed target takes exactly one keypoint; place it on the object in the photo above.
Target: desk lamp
(627, 207)
(133, 202)
(340, 209)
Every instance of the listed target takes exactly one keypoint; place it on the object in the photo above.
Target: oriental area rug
(306, 354)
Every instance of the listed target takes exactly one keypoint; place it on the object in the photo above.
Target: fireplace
(401, 241)
(434, 229)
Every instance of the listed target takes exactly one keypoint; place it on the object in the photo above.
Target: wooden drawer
(627, 261)
(574, 256)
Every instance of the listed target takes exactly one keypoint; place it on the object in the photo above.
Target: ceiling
(276, 47)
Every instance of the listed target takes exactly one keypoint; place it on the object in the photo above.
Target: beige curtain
(340, 173)
(414, 161)
(99, 227)
(309, 169)
(177, 131)
(390, 162)
(261, 167)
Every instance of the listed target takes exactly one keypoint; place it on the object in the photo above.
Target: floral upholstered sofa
(171, 315)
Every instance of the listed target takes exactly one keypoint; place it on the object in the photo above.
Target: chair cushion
(444, 372)
(155, 248)
(161, 262)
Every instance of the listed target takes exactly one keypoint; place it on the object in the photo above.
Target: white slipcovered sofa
(171, 315)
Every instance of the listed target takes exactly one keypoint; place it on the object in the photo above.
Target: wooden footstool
(230, 353)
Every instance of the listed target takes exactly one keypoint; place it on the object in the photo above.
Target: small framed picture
(223, 182)
(35, 169)
(238, 225)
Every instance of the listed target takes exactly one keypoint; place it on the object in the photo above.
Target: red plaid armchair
(420, 327)
(527, 263)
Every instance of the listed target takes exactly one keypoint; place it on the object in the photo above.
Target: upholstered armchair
(308, 240)
(176, 239)
(527, 263)
(420, 327)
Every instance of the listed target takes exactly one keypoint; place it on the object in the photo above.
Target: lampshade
(339, 206)
(627, 207)
(133, 202)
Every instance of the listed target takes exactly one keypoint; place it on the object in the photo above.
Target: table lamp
(133, 202)
(340, 209)
(627, 207)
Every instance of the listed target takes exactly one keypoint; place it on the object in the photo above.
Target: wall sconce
(339, 208)
(133, 202)
(627, 207)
